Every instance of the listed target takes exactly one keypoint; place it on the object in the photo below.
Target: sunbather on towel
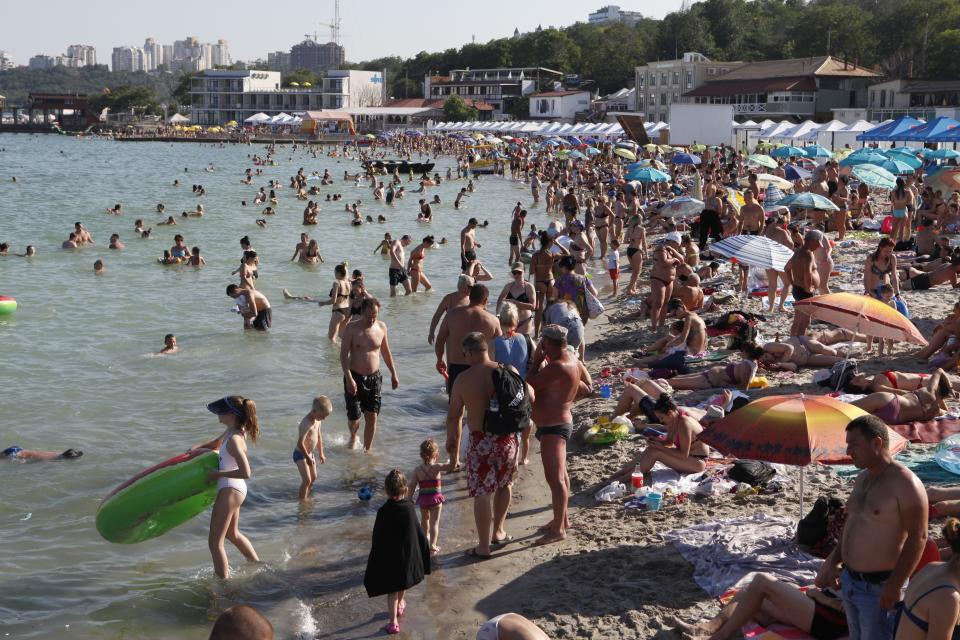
(796, 352)
(923, 404)
(767, 600)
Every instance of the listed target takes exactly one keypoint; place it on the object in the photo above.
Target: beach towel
(921, 462)
(930, 432)
(728, 553)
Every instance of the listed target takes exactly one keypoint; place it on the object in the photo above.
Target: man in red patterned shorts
(491, 460)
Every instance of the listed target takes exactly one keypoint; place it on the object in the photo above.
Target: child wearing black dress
(400, 553)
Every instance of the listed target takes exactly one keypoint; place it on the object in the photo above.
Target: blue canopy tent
(884, 131)
(926, 132)
(949, 135)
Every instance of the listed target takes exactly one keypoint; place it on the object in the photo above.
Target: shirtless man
(751, 215)
(299, 252)
(459, 321)
(491, 460)
(398, 274)
(468, 244)
(363, 343)
(884, 535)
(516, 234)
(687, 288)
(458, 298)
(555, 386)
(801, 273)
(710, 224)
(662, 274)
(919, 280)
(775, 231)
(83, 236)
(254, 307)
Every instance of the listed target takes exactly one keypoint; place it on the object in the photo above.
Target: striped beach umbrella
(685, 158)
(754, 251)
(681, 207)
(772, 195)
(861, 314)
(796, 173)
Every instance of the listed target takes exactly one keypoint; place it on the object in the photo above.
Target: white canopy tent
(258, 118)
(177, 119)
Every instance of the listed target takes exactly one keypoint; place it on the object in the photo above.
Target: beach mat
(929, 432)
(922, 464)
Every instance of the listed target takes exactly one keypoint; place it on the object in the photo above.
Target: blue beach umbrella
(786, 152)
(592, 151)
(875, 176)
(870, 157)
(816, 151)
(808, 200)
(685, 158)
(906, 157)
(897, 166)
(796, 173)
(576, 141)
(648, 174)
(942, 154)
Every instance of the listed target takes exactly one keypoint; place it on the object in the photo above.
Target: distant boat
(397, 166)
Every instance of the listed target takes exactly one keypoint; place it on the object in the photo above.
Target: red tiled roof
(425, 103)
(734, 87)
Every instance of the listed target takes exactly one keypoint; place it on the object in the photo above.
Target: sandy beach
(615, 576)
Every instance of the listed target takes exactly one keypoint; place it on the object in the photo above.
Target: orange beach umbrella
(862, 314)
(791, 429)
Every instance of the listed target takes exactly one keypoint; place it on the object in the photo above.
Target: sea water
(77, 370)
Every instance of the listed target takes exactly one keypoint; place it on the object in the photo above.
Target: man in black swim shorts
(363, 342)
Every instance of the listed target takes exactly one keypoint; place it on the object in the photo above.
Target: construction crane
(335, 25)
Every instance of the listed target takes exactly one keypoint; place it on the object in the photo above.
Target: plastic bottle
(636, 478)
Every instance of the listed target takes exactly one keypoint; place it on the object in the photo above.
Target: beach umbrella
(232, 123)
(816, 151)
(861, 314)
(576, 154)
(574, 140)
(902, 151)
(762, 160)
(685, 158)
(808, 200)
(866, 157)
(942, 154)
(648, 174)
(946, 180)
(625, 153)
(909, 159)
(592, 151)
(840, 154)
(734, 198)
(786, 152)
(650, 148)
(796, 173)
(796, 429)
(766, 179)
(895, 166)
(875, 176)
(773, 195)
(593, 140)
(754, 251)
(698, 147)
(681, 207)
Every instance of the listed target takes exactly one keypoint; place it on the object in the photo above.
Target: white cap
(673, 236)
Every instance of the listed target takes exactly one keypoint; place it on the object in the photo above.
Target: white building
(128, 59)
(613, 13)
(662, 83)
(153, 54)
(501, 87)
(85, 55)
(561, 106)
(220, 95)
(6, 62)
(220, 53)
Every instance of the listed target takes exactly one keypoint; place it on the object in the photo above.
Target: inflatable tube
(159, 498)
(948, 454)
(7, 305)
(605, 432)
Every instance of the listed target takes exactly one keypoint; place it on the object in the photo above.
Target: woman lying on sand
(767, 600)
(899, 382)
(923, 404)
(735, 374)
(796, 352)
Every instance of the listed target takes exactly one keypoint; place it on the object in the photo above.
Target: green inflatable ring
(607, 434)
(159, 498)
(7, 305)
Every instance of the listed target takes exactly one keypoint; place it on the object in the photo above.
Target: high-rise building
(84, 55)
(152, 50)
(167, 55)
(278, 60)
(6, 61)
(41, 61)
(313, 56)
(613, 13)
(220, 54)
(128, 59)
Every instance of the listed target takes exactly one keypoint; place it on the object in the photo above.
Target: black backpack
(840, 374)
(753, 472)
(510, 406)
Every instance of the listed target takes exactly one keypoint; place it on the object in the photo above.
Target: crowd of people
(519, 369)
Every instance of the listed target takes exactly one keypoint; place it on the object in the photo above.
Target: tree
(301, 76)
(182, 93)
(521, 108)
(943, 62)
(456, 110)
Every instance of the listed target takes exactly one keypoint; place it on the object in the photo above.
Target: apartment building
(660, 84)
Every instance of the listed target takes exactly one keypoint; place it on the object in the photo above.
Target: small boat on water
(398, 166)
(483, 167)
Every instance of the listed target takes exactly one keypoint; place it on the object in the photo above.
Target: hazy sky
(370, 28)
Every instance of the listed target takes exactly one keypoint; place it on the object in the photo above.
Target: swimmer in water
(98, 267)
(115, 242)
(31, 251)
(169, 345)
(32, 455)
(196, 260)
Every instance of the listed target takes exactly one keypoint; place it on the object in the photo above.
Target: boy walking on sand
(308, 439)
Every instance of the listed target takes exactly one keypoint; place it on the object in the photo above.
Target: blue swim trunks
(12, 452)
(297, 456)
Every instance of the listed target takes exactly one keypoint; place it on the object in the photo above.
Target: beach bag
(594, 307)
(510, 406)
(840, 374)
(820, 530)
(753, 472)
(905, 245)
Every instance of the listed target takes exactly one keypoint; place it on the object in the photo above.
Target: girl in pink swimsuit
(427, 477)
